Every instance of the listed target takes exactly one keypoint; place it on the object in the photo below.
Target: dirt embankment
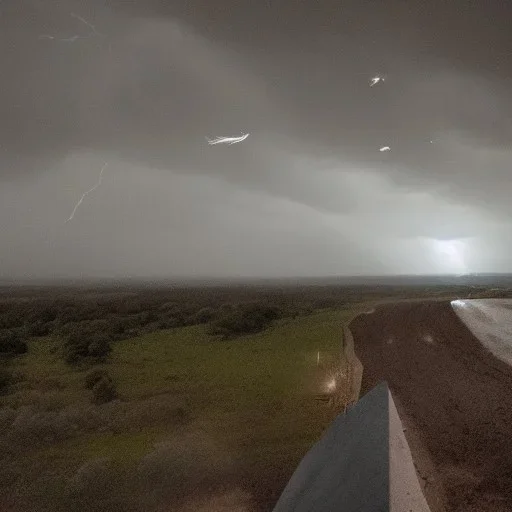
(456, 397)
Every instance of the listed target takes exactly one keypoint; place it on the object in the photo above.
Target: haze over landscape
(244, 244)
(308, 193)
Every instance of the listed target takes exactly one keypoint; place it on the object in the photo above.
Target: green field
(216, 419)
(250, 397)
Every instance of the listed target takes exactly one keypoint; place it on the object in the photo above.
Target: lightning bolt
(227, 140)
(74, 38)
(85, 22)
(71, 39)
(87, 193)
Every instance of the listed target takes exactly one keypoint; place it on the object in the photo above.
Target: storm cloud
(308, 192)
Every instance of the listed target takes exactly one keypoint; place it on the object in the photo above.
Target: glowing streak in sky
(92, 27)
(72, 39)
(376, 80)
(384, 148)
(86, 193)
(227, 140)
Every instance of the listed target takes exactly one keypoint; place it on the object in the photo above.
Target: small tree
(169, 322)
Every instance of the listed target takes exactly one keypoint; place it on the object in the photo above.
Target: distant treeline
(90, 321)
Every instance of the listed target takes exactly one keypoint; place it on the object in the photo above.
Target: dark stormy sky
(308, 193)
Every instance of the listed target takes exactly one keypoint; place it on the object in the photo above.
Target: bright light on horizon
(450, 255)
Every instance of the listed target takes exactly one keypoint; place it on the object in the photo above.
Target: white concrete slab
(405, 492)
(362, 464)
(348, 469)
(490, 321)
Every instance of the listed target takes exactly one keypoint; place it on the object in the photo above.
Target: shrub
(245, 319)
(6, 379)
(203, 316)
(104, 391)
(82, 344)
(133, 333)
(39, 328)
(99, 346)
(66, 329)
(326, 303)
(146, 317)
(121, 328)
(39, 312)
(98, 325)
(74, 353)
(226, 308)
(130, 306)
(169, 322)
(11, 343)
(94, 376)
(77, 312)
(101, 384)
(170, 307)
(120, 325)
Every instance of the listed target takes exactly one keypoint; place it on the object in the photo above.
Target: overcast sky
(307, 193)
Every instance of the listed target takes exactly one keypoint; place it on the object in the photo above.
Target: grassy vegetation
(248, 395)
(138, 399)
